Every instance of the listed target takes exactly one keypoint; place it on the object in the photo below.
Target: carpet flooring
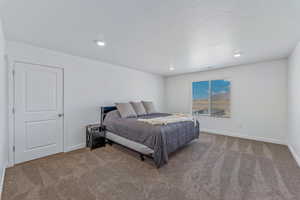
(213, 168)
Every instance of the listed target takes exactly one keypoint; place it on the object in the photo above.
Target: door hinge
(13, 72)
(14, 148)
(13, 110)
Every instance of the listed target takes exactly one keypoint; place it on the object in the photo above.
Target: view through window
(211, 98)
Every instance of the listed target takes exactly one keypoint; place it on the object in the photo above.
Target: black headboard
(104, 111)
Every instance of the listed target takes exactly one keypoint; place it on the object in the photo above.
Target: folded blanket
(174, 118)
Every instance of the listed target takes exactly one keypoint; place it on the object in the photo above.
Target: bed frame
(104, 111)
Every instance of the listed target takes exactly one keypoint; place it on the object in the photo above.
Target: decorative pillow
(138, 108)
(149, 106)
(125, 110)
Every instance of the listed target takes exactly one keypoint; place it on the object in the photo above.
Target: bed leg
(142, 157)
(110, 142)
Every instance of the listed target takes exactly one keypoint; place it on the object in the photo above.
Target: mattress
(162, 139)
(129, 143)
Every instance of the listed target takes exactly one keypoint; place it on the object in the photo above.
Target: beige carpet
(214, 168)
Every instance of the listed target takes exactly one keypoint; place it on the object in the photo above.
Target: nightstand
(95, 136)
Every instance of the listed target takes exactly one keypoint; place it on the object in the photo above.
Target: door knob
(60, 115)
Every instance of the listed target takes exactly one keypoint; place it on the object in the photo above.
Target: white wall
(294, 103)
(3, 109)
(89, 84)
(258, 100)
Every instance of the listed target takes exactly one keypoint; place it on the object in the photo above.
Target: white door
(38, 111)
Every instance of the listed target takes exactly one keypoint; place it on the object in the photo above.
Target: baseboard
(2, 180)
(295, 155)
(229, 133)
(77, 146)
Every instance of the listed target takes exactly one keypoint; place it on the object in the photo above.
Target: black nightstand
(95, 136)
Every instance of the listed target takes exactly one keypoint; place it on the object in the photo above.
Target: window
(211, 98)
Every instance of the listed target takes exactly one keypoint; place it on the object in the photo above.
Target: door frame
(11, 62)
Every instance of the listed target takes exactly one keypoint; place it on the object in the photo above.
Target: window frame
(209, 99)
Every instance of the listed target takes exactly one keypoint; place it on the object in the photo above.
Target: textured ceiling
(191, 35)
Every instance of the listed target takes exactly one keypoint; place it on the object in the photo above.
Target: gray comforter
(163, 139)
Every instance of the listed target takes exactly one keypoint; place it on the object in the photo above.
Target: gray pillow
(125, 110)
(115, 114)
(138, 108)
(149, 106)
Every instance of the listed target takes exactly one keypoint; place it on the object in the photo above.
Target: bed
(154, 141)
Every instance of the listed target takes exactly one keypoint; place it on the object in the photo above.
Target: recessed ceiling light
(100, 43)
(171, 68)
(237, 55)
